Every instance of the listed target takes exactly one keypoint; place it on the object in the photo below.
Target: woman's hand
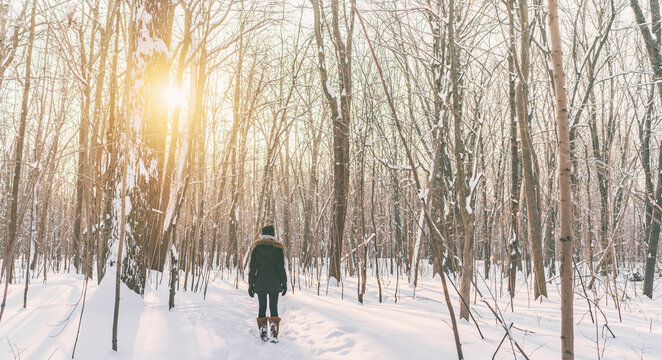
(251, 291)
(284, 289)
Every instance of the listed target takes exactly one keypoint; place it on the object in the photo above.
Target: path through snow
(313, 327)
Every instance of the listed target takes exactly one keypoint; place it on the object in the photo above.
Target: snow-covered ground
(314, 327)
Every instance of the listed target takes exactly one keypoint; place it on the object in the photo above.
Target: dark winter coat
(267, 266)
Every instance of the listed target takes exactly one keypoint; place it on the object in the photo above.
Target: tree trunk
(529, 162)
(97, 178)
(514, 251)
(565, 240)
(310, 203)
(120, 249)
(12, 229)
(83, 185)
(439, 193)
(234, 144)
(654, 235)
(112, 172)
(340, 114)
(466, 214)
(655, 58)
(148, 118)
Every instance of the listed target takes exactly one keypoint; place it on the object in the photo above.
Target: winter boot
(262, 326)
(274, 325)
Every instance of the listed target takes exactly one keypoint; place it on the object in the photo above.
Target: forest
(485, 158)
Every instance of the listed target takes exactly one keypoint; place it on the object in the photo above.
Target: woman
(267, 278)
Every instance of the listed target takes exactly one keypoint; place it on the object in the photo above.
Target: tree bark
(441, 162)
(655, 58)
(148, 71)
(83, 183)
(514, 251)
(97, 178)
(340, 113)
(565, 240)
(112, 172)
(529, 162)
(12, 230)
(466, 214)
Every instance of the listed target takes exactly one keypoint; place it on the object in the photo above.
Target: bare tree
(9, 45)
(565, 239)
(529, 159)
(10, 242)
(463, 194)
(340, 106)
(513, 236)
(655, 58)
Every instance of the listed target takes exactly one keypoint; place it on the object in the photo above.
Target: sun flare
(174, 96)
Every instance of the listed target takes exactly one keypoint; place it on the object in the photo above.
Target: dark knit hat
(268, 230)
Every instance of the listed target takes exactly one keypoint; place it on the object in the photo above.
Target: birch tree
(565, 207)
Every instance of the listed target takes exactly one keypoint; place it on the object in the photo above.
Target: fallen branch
(471, 313)
(80, 320)
(501, 343)
(498, 315)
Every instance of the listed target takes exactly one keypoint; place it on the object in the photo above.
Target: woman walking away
(267, 278)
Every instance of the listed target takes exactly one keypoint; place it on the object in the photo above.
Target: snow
(147, 47)
(144, 16)
(474, 182)
(419, 235)
(329, 88)
(170, 209)
(36, 165)
(69, 8)
(313, 327)
(423, 193)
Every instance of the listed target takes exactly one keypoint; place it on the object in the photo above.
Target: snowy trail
(223, 326)
(220, 327)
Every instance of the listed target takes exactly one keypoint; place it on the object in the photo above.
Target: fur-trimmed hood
(268, 240)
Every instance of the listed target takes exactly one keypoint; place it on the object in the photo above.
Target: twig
(522, 330)
(595, 304)
(500, 343)
(80, 320)
(498, 315)
(581, 281)
(471, 313)
(16, 354)
(64, 322)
